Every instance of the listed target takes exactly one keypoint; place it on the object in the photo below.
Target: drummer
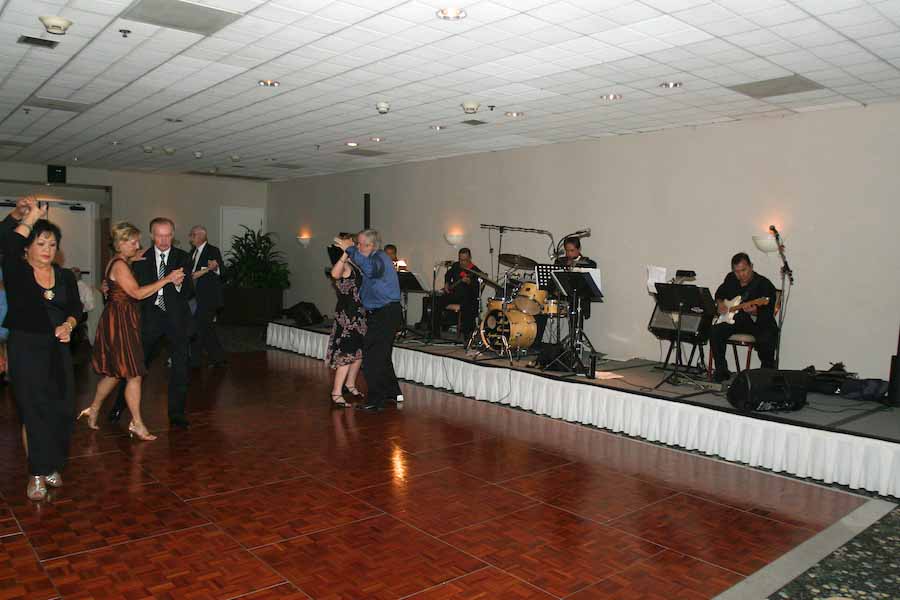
(574, 258)
(461, 287)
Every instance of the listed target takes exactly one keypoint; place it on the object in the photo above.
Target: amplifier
(694, 327)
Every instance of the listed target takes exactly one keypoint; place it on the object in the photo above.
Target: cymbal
(517, 261)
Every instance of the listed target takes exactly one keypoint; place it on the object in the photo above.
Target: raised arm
(341, 268)
(122, 275)
(371, 266)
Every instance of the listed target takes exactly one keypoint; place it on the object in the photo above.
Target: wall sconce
(454, 238)
(766, 243)
(304, 239)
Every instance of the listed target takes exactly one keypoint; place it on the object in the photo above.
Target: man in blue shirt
(380, 295)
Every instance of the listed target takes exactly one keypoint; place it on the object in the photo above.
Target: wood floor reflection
(274, 494)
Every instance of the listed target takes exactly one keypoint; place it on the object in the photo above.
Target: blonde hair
(122, 232)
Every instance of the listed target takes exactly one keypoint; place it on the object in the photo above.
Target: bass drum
(518, 329)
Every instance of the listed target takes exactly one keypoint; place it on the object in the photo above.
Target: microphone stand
(787, 277)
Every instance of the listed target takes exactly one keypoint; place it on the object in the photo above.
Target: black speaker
(304, 314)
(56, 174)
(764, 390)
(893, 395)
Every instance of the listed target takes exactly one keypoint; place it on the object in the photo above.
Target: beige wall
(685, 198)
(138, 197)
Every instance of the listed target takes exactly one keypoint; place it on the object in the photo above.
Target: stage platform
(833, 440)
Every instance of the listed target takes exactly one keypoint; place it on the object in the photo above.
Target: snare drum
(531, 299)
(555, 307)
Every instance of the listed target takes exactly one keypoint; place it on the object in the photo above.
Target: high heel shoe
(54, 479)
(91, 417)
(352, 391)
(141, 434)
(338, 401)
(36, 489)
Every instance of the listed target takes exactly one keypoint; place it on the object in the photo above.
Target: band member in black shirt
(574, 258)
(759, 321)
(461, 287)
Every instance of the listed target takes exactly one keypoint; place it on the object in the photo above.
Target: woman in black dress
(344, 353)
(44, 308)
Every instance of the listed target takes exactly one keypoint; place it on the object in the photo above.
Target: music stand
(410, 283)
(680, 299)
(543, 275)
(582, 285)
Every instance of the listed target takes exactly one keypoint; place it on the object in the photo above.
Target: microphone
(582, 233)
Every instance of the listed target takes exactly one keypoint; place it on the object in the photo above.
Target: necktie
(194, 258)
(160, 299)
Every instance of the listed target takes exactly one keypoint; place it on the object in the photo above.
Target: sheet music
(655, 275)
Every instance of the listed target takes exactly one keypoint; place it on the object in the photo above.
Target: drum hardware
(501, 229)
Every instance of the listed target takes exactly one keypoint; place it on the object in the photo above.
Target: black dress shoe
(179, 423)
(115, 413)
(371, 407)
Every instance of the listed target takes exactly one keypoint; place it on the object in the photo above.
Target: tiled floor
(274, 495)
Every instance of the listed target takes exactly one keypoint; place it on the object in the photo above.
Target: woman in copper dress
(344, 353)
(118, 353)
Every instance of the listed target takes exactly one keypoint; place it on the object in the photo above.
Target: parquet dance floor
(273, 494)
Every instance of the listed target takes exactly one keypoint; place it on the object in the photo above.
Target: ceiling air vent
(292, 167)
(39, 42)
(363, 152)
(474, 122)
(10, 144)
(793, 84)
(186, 16)
(227, 175)
(57, 104)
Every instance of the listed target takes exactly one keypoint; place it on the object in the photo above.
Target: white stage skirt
(830, 457)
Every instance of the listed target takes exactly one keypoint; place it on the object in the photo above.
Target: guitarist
(759, 321)
(460, 287)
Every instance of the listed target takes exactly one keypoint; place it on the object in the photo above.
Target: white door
(233, 219)
(79, 235)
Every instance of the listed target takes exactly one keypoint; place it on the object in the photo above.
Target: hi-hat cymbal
(517, 261)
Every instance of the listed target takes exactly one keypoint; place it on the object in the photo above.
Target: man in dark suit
(165, 314)
(208, 273)
(574, 258)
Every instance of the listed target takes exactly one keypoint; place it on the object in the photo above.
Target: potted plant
(257, 276)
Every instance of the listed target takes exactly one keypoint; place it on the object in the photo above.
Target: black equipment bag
(304, 314)
(764, 390)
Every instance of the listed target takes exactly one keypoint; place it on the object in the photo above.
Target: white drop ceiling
(552, 60)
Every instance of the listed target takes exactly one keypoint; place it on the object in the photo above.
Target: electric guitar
(734, 305)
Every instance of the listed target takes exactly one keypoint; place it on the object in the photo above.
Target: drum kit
(511, 319)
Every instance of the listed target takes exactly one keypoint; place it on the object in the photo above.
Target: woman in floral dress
(345, 344)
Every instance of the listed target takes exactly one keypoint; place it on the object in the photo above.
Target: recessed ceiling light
(115, 142)
(268, 83)
(235, 158)
(148, 149)
(352, 144)
(74, 159)
(169, 150)
(173, 120)
(439, 127)
(198, 154)
(514, 114)
(376, 138)
(611, 97)
(451, 14)
(670, 85)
